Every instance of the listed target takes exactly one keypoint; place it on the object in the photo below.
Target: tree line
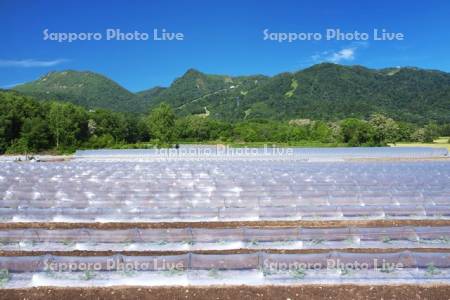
(29, 126)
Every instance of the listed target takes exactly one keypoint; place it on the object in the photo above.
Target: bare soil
(409, 292)
(227, 224)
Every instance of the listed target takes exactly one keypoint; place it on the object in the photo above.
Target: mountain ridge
(322, 91)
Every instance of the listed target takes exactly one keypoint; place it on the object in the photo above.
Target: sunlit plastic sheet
(358, 152)
(437, 210)
(433, 233)
(270, 235)
(225, 262)
(108, 191)
(317, 236)
(157, 263)
(325, 234)
(165, 235)
(307, 261)
(405, 259)
(79, 263)
(202, 235)
(439, 260)
(387, 233)
(23, 263)
(194, 261)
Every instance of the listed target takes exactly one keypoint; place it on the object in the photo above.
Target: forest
(31, 126)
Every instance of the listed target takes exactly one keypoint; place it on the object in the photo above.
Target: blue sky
(220, 37)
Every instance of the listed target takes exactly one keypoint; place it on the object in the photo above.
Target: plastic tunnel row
(145, 214)
(260, 171)
(194, 261)
(302, 152)
(205, 235)
(273, 194)
(156, 204)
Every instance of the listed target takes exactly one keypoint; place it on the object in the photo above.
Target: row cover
(226, 213)
(224, 184)
(356, 152)
(192, 261)
(204, 235)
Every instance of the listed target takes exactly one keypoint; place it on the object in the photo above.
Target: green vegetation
(30, 126)
(386, 240)
(173, 272)
(442, 142)
(327, 92)
(432, 270)
(214, 273)
(86, 89)
(298, 273)
(4, 277)
(88, 275)
(162, 124)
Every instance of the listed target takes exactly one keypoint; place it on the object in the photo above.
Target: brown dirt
(6, 253)
(227, 224)
(409, 292)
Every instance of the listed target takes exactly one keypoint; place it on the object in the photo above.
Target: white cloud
(343, 54)
(31, 63)
(336, 56)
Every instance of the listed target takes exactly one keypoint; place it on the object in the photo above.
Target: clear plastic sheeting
(187, 239)
(224, 152)
(193, 261)
(86, 191)
(225, 262)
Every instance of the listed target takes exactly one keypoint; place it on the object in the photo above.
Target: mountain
(194, 91)
(87, 89)
(324, 91)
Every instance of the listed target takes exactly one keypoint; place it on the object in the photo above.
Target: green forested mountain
(87, 89)
(325, 91)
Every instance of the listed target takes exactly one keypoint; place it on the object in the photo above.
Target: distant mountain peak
(192, 72)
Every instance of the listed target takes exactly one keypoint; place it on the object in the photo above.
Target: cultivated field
(316, 223)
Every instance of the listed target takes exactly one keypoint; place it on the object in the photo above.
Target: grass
(344, 271)
(437, 143)
(444, 239)
(432, 270)
(189, 242)
(387, 269)
(254, 242)
(173, 272)
(386, 239)
(4, 276)
(298, 273)
(317, 241)
(87, 275)
(68, 242)
(214, 273)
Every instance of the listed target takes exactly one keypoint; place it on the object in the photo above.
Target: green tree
(385, 130)
(108, 122)
(14, 111)
(321, 132)
(161, 123)
(68, 124)
(36, 135)
(356, 132)
(431, 132)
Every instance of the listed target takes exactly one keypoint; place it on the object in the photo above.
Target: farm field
(143, 220)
